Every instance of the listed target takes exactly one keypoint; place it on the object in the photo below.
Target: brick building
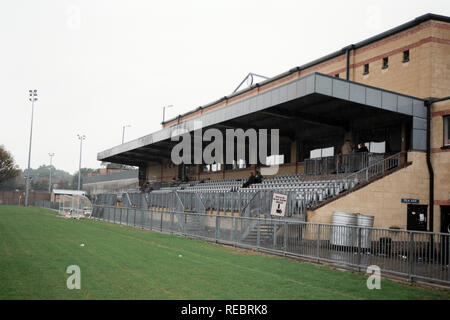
(382, 89)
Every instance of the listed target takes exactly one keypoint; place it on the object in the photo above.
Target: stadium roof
(310, 101)
(121, 175)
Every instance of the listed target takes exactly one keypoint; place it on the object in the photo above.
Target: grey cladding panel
(357, 93)
(419, 141)
(259, 103)
(389, 101)
(419, 123)
(341, 89)
(283, 94)
(419, 109)
(324, 85)
(275, 93)
(310, 84)
(405, 105)
(252, 103)
(267, 100)
(292, 91)
(373, 97)
(301, 87)
(245, 104)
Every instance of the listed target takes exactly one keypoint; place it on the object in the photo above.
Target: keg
(343, 231)
(366, 222)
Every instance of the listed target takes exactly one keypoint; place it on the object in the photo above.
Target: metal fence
(376, 169)
(417, 255)
(47, 204)
(341, 163)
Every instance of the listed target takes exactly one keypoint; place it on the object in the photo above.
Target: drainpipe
(428, 103)
(347, 51)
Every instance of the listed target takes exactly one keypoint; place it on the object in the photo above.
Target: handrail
(179, 201)
(248, 203)
(199, 200)
(366, 171)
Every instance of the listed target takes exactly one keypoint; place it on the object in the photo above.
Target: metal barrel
(366, 222)
(343, 232)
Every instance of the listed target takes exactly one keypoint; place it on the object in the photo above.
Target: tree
(84, 173)
(8, 169)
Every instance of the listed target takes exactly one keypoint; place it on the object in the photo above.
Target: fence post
(161, 221)
(411, 256)
(258, 233)
(171, 222)
(285, 237)
(150, 213)
(114, 221)
(318, 243)
(359, 249)
(275, 235)
(134, 219)
(217, 227)
(233, 225)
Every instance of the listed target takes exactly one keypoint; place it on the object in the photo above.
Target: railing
(416, 255)
(341, 163)
(47, 204)
(378, 168)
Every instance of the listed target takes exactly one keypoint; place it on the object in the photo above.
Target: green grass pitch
(117, 262)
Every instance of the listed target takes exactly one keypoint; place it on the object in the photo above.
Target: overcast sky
(102, 64)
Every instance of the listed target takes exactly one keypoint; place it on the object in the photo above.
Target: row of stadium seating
(229, 195)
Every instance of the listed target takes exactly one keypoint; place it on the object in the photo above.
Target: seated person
(250, 180)
(259, 177)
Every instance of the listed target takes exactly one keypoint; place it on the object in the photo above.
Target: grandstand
(400, 104)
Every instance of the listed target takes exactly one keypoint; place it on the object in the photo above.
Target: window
(446, 131)
(385, 63)
(274, 160)
(366, 69)
(322, 153)
(376, 147)
(405, 56)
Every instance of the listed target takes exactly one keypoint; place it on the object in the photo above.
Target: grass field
(116, 262)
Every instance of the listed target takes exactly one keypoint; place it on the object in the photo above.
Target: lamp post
(50, 179)
(123, 132)
(32, 98)
(81, 138)
(164, 111)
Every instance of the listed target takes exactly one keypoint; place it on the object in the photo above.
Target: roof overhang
(315, 98)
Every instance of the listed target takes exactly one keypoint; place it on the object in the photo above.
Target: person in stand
(345, 159)
(258, 177)
(250, 180)
(347, 147)
(362, 148)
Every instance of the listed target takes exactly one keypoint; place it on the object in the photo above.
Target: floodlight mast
(164, 112)
(81, 138)
(50, 178)
(123, 132)
(33, 97)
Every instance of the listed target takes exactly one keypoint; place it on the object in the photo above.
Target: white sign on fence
(278, 205)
